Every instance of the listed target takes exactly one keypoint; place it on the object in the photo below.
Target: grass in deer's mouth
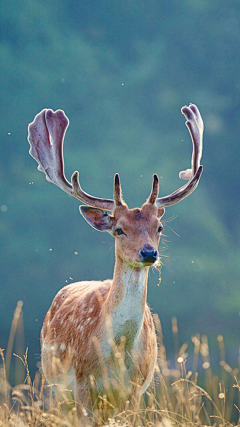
(175, 398)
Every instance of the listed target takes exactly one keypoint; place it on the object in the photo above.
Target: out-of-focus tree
(121, 71)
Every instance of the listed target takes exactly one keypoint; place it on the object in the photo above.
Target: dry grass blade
(174, 400)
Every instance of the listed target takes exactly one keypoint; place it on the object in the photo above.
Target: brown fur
(85, 315)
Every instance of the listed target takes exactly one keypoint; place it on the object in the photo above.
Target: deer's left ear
(161, 212)
(97, 218)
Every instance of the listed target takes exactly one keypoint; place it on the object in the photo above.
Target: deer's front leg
(81, 402)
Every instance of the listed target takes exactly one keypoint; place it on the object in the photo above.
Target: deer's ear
(97, 218)
(161, 212)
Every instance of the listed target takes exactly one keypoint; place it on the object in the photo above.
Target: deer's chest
(126, 321)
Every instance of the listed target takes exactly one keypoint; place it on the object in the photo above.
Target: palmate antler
(195, 126)
(46, 136)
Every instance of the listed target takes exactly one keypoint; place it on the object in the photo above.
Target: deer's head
(137, 231)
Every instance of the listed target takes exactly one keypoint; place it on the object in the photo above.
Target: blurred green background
(121, 70)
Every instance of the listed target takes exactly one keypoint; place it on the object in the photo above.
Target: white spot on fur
(62, 346)
(90, 310)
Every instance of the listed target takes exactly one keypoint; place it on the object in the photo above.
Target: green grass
(175, 398)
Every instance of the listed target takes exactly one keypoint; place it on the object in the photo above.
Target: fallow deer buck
(75, 336)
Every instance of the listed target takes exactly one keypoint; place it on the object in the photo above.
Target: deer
(87, 320)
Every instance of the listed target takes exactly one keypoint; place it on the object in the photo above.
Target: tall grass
(175, 398)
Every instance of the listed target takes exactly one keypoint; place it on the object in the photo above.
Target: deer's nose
(148, 254)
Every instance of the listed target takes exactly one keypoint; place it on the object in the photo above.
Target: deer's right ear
(97, 218)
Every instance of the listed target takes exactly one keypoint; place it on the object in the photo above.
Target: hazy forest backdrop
(121, 70)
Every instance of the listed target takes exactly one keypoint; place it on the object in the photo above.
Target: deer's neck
(127, 301)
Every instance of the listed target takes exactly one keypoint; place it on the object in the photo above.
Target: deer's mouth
(148, 263)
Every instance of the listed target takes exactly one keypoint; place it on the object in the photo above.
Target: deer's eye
(119, 231)
(160, 228)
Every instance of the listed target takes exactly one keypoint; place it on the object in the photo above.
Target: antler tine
(117, 192)
(194, 124)
(46, 136)
(155, 189)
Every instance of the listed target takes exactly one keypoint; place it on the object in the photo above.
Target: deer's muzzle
(148, 254)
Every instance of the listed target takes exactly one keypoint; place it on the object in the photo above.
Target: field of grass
(175, 398)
